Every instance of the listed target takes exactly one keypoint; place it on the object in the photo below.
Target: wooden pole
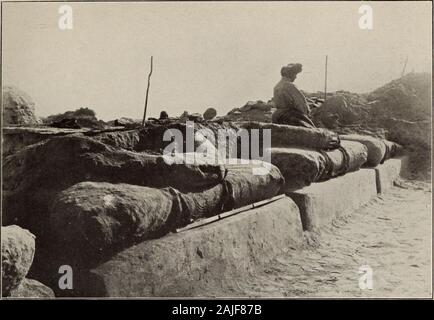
(405, 65)
(147, 93)
(325, 79)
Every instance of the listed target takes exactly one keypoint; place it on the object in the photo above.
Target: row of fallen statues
(86, 197)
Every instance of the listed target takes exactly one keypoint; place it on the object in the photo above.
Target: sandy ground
(391, 234)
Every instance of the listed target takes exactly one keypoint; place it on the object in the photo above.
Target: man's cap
(291, 69)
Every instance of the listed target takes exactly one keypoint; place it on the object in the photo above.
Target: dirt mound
(399, 111)
(403, 108)
(407, 98)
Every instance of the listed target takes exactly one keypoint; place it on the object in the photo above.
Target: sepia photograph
(216, 149)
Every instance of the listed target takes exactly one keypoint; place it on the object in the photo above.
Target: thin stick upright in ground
(325, 80)
(405, 65)
(147, 93)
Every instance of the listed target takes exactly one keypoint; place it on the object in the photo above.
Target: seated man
(291, 104)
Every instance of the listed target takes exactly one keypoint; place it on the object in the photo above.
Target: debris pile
(341, 109)
(127, 123)
(185, 116)
(252, 111)
(80, 118)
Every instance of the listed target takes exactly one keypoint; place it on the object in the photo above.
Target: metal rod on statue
(325, 79)
(147, 93)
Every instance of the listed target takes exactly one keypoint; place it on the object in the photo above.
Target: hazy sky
(205, 54)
